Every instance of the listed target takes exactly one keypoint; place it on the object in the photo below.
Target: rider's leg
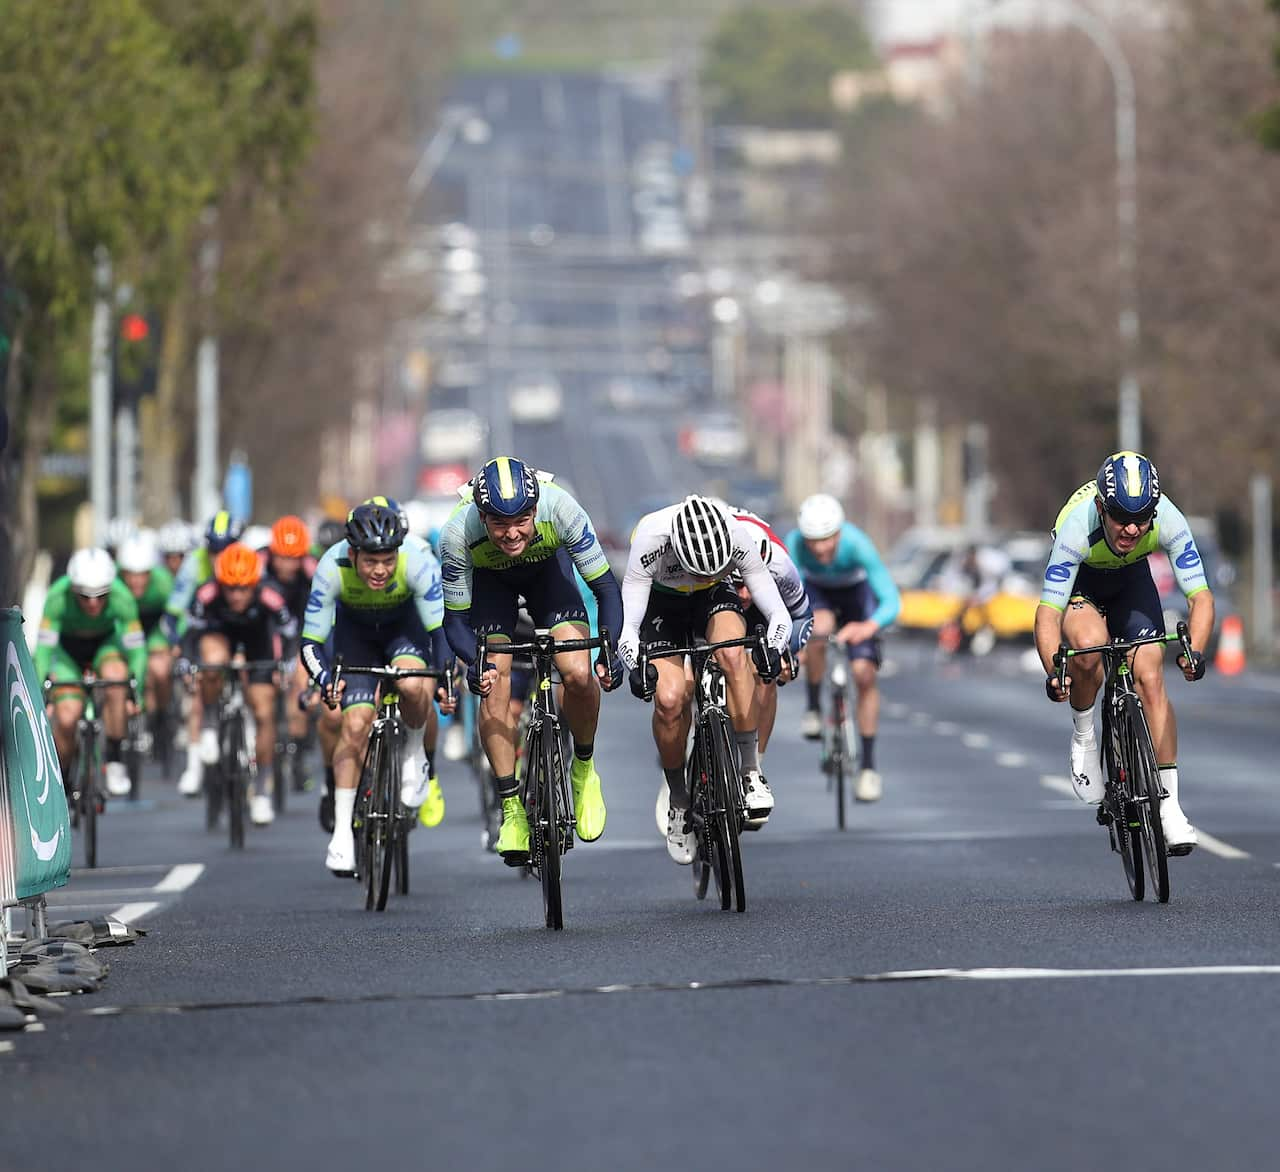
(582, 712)
(262, 701)
(1148, 672)
(815, 668)
(1084, 626)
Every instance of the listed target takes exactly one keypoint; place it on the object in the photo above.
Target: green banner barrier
(35, 829)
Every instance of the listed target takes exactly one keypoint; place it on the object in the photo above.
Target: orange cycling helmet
(237, 565)
(290, 537)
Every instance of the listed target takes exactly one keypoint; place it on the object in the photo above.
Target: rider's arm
(888, 601)
(321, 606)
(764, 593)
(284, 627)
(1188, 570)
(129, 629)
(1048, 634)
(423, 573)
(456, 575)
(577, 535)
(636, 585)
(608, 595)
(55, 607)
(184, 590)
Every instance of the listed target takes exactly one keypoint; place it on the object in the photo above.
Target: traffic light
(135, 354)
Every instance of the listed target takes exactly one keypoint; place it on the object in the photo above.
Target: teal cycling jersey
(1079, 539)
(337, 588)
(857, 560)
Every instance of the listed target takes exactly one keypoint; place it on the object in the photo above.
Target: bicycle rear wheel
(729, 814)
(1145, 783)
(400, 855)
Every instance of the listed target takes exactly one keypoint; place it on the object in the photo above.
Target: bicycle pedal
(1103, 816)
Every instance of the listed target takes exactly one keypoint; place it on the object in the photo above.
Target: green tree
(773, 67)
(1269, 120)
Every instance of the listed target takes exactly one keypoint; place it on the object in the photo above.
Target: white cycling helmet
(256, 537)
(139, 554)
(119, 530)
(176, 537)
(820, 515)
(91, 572)
(700, 537)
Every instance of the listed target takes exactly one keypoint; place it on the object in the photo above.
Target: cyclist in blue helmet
(1097, 586)
(517, 535)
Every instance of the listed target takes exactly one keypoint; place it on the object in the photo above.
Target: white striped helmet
(700, 538)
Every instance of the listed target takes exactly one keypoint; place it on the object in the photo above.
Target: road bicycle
(544, 786)
(1130, 808)
(86, 789)
(380, 822)
(839, 763)
(717, 804)
(226, 784)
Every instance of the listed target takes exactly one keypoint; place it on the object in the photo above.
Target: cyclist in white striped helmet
(676, 590)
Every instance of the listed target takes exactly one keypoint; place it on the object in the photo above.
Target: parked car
(716, 438)
(536, 398)
(455, 434)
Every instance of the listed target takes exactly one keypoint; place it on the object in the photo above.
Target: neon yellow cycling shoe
(431, 812)
(588, 801)
(513, 839)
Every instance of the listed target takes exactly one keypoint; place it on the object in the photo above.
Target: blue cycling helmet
(505, 487)
(222, 530)
(1129, 488)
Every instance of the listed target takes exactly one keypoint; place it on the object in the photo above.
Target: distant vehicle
(715, 438)
(639, 393)
(456, 434)
(443, 479)
(664, 235)
(536, 398)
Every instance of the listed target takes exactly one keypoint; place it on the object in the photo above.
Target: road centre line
(130, 913)
(975, 740)
(1060, 785)
(1011, 760)
(181, 877)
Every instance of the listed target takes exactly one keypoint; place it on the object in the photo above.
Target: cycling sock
(113, 748)
(868, 751)
(813, 695)
(505, 787)
(676, 784)
(344, 804)
(1083, 719)
(431, 762)
(583, 752)
(260, 782)
(1169, 780)
(328, 779)
(747, 742)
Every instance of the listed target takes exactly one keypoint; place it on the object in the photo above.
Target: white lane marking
(1011, 760)
(7, 1047)
(919, 718)
(181, 877)
(1061, 785)
(1215, 846)
(139, 869)
(945, 728)
(132, 912)
(896, 710)
(1029, 974)
(975, 740)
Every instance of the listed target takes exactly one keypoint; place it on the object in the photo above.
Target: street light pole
(1128, 322)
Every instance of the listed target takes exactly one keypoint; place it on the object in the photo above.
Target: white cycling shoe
(118, 783)
(1086, 772)
(1180, 836)
(680, 837)
(661, 806)
(209, 746)
(868, 787)
(414, 787)
(192, 780)
(341, 856)
(811, 725)
(261, 811)
(759, 798)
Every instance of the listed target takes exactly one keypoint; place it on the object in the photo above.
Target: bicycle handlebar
(544, 646)
(701, 651)
(393, 673)
(1119, 647)
(91, 683)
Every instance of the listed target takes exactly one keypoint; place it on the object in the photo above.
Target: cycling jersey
(298, 589)
(338, 594)
(88, 639)
(782, 569)
(560, 523)
(152, 606)
(195, 571)
(652, 566)
(1080, 541)
(856, 561)
(264, 630)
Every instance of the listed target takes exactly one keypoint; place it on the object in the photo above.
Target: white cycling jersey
(784, 572)
(652, 564)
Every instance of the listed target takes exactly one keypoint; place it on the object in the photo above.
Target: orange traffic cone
(1230, 660)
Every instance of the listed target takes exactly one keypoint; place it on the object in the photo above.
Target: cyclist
(150, 583)
(854, 599)
(196, 570)
(521, 534)
(676, 588)
(1098, 585)
(90, 624)
(381, 600)
(174, 539)
(239, 611)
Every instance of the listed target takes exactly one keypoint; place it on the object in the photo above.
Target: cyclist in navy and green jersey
(90, 624)
(196, 570)
(381, 601)
(519, 535)
(150, 584)
(1098, 586)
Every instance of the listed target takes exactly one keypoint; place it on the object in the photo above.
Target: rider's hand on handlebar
(642, 686)
(1054, 693)
(1195, 669)
(857, 632)
(768, 663)
(611, 677)
(481, 685)
(446, 700)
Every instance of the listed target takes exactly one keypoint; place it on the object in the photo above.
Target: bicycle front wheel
(235, 774)
(839, 752)
(727, 818)
(133, 756)
(1145, 784)
(540, 761)
(1118, 801)
(88, 788)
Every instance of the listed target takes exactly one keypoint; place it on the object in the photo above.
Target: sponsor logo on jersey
(1058, 572)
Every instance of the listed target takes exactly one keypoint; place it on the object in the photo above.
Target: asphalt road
(943, 985)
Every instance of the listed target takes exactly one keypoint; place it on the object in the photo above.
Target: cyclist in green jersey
(90, 624)
(150, 584)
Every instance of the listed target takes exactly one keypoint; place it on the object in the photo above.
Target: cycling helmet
(91, 572)
(139, 554)
(119, 530)
(820, 515)
(1129, 487)
(290, 537)
(375, 528)
(700, 537)
(330, 533)
(505, 487)
(237, 565)
(174, 537)
(256, 537)
(222, 530)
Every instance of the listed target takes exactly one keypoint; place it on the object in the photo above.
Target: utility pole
(205, 495)
(1264, 633)
(100, 397)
